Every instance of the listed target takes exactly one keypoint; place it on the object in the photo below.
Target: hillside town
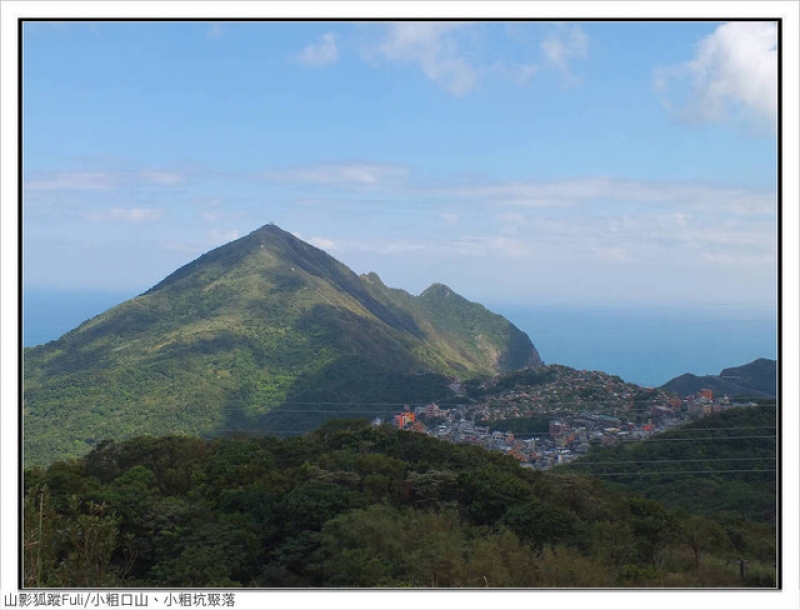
(578, 408)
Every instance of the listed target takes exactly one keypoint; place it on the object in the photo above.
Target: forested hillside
(351, 505)
(723, 462)
(759, 378)
(244, 338)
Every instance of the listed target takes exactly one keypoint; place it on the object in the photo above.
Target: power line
(649, 440)
(528, 433)
(701, 438)
(262, 432)
(671, 472)
(609, 405)
(623, 462)
(412, 403)
(676, 429)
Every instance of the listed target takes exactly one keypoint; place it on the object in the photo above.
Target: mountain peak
(373, 278)
(243, 332)
(273, 237)
(281, 244)
(437, 290)
(271, 230)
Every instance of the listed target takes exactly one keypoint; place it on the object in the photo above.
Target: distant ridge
(250, 336)
(758, 378)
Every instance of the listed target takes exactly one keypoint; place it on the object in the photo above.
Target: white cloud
(737, 259)
(613, 255)
(402, 246)
(522, 74)
(734, 72)
(322, 243)
(603, 190)
(208, 201)
(212, 239)
(577, 241)
(77, 181)
(132, 215)
(648, 237)
(519, 74)
(216, 237)
(363, 174)
(509, 247)
(101, 180)
(450, 218)
(467, 246)
(215, 31)
(451, 54)
(434, 48)
(320, 201)
(162, 177)
(322, 53)
(563, 46)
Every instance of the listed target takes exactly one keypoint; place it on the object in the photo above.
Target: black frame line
(779, 144)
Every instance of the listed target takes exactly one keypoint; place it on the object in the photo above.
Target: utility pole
(742, 564)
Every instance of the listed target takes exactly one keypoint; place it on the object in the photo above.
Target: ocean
(647, 346)
(48, 314)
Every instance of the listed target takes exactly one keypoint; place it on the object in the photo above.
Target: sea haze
(647, 346)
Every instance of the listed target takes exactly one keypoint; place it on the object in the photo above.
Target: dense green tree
(356, 505)
(71, 547)
(653, 527)
(729, 468)
(702, 535)
(540, 523)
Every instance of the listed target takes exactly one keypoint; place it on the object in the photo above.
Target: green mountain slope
(759, 378)
(265, 321)
(722, 462)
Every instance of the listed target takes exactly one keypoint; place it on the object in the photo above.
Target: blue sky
(610, 164)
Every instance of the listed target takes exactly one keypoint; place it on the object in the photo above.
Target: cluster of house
(408, 418)
(569, 390)
(569, 435)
